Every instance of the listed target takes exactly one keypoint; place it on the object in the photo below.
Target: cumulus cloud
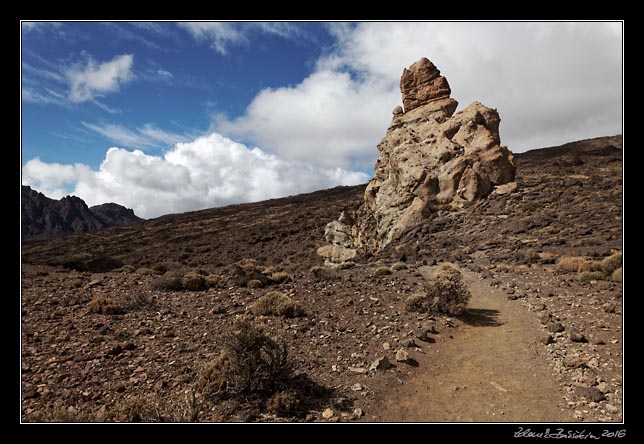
(551, 82)
(209, 171)
(96, 79)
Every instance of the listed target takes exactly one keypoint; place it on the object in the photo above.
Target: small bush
(445, 293)
(169, 281)
(531, 257)
(382, 271)
(617, 275)
(212, 280)
(280, 277)
(568, 264)
(590, 265)
(193, 281)
(244, 271)
(531, 206)
(104, 305)
(399, 266)
(254, 283)
(250, 363)
(127, 268)
(319, 273)
(418, 302)
(612, 263)
(586, 276)
(277, 304)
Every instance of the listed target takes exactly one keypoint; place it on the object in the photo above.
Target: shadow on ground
(482, 317)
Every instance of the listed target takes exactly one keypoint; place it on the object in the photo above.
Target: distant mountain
(43, 218)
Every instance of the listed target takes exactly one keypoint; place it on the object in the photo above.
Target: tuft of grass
(531, 206)
(568, 264)
(250, 363)
(319, 273)
(418, 302)
(104, 305)
(531, 257)
(611, 263)
(280, 277)
(382, 271)
(277, 304)
(617, 275)
(587, 276)
(193, 281)
(169, 281)
(399, 266)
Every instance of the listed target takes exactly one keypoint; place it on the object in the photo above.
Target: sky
(167, 117)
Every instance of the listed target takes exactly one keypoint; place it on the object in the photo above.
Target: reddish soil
(492, 364)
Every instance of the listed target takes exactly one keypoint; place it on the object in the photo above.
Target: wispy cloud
(146, 137)
(97, 79)
(222, 35)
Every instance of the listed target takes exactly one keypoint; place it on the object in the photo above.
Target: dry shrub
(280, 277)
(240, 273)
(254, 283)
(250, 363)
(319, 273)
(591, 265)
(126, 268)
(586, 276)
(418, 302)
(399, 266)
(169, 281)
(193, 281)
(612, 263)
(531, 257)
(382, 271)
(617, 275)
(574, 264)
(447, 291)
(277, 304)
(104, 305)
(212, 280)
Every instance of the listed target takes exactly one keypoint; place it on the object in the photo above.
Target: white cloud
(551, 82)
(209, 171)
(93, 79)
(52, 179)
(147, 136)
(222, 35)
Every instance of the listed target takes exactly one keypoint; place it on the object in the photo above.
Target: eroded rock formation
(429, 158)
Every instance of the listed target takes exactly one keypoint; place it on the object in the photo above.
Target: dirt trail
(492, 370)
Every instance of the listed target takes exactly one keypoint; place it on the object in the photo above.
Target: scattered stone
(357, 387)
(513, 297)
(421, 334)
(30, 394)
(402, 355)
(576, 336)
(410, 343)
(397, 110)
(555, 327)
(328, 413)
(610, 408)
(547, 339)
(357, 413)
(600, 342)
(94, 283)
(357, 369)
(116, 350)
(590, 393)
(382, 363)
(386, 346)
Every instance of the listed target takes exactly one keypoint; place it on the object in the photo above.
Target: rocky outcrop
(43, 218)
(422, 83)
(429, 158)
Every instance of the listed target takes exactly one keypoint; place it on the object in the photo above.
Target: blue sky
(168, 117)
